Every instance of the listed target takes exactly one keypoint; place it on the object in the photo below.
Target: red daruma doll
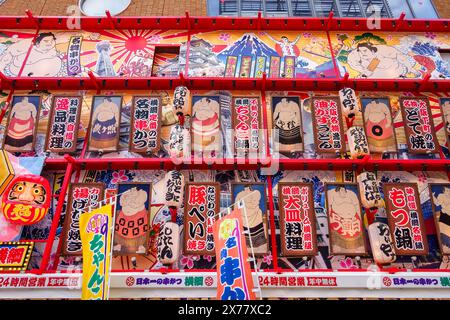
(26, 200)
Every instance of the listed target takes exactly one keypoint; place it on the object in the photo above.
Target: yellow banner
(96, 237)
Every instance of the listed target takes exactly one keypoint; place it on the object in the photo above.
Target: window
(422, 9)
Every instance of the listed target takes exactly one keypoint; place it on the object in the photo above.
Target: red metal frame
(198, 24)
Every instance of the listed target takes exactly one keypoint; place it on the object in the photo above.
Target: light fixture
(97, 8)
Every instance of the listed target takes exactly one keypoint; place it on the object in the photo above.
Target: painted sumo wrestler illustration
(287, 119)
(380, 61)
(105, 123)
(254, 202)
(379, 125)
(22, 124)
(205, 124)
(344, 212)
(441, 199)
(132, 220)
(44, 60)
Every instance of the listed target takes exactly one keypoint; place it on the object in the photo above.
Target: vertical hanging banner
(145, 132)
(419, 127)
(405, 219)
(345, 219)
(289, 67)
(260, 67)
(297, 219)
(327, 124)
(200, 211)
(230, 68)
(95, 230)
(81, 197)
(234, 276)
(246, 118)
(246, 66)
(274, 67)
(62, 132)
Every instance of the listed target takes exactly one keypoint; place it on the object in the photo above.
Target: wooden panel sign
(405, 219)
(105, 123)
(62, 132)
(297, 219)
(440, 199)
(81, 197)
(20, 132)
(418, 124)
(287, 119)
(200, 212)
(345, 219)
(246, 119)
(327, 124)
(132, 219)
(145, 132)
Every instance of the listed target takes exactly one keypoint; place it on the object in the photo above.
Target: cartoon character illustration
(380, 61)
(105, 122)
(256, 223)
(344, 212)
(132, 222)
(379, 126)
(442, 201)
(22, 124)
(205, 124)
(26, 200)
(287, 47)
(287, 119)
(44, 59)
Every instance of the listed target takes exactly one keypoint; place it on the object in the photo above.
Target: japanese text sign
(201, 208)
(62, 132)
(327, 124)
(234, 276)
(15, 255)
(297, 219)
(419, 127)
(404, 214)
(145, 124)
(81, 197)
(95, 227)
(246, 124)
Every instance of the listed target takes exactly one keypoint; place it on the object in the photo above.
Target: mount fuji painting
(248, 45)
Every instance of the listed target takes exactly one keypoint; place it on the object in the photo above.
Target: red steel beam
(202, 23)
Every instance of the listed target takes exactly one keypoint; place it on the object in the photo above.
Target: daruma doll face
(26, 200)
